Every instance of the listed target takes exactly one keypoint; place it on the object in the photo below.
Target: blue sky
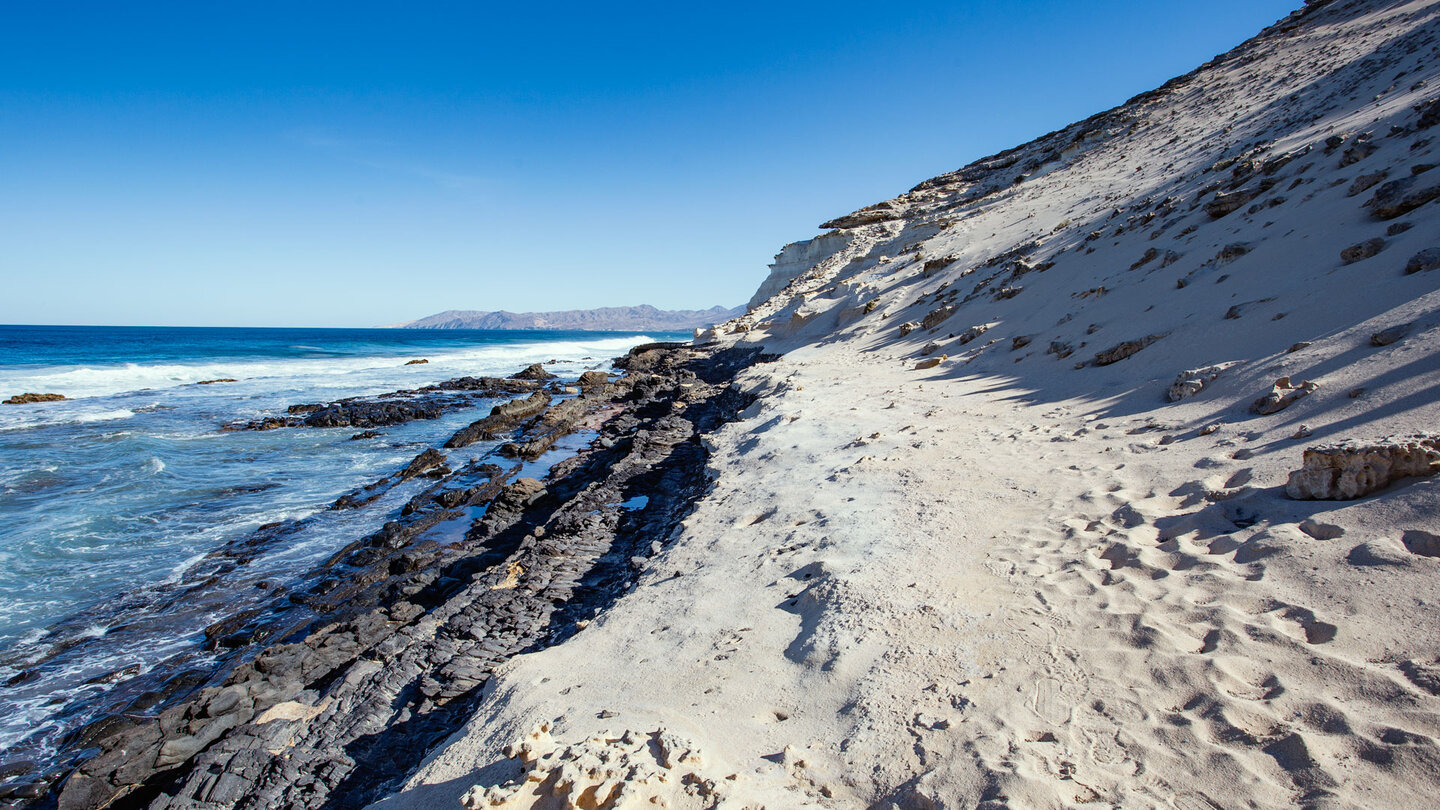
(354, 164)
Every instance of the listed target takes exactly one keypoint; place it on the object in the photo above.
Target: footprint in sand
(1048, 704)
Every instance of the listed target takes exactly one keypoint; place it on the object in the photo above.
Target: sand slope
(1023, 576)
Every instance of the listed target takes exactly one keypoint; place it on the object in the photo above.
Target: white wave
(495, 358)
(155, 466)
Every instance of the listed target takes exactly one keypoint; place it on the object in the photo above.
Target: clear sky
(359, 163)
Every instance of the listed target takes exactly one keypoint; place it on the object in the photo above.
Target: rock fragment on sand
(1282, 395)
(931, 362)
(1350, 470)
(1399, 197)
(973, 332)
(657, 769)
(1424, 261)
(938, 316)
(1224, 204)
(1365, 182)
(1363, 250)
(1120, 351)
(1189, 383)
(1387, 336)
(908, 327)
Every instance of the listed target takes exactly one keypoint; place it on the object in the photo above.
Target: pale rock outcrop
(1189, 383)
(793, 260)
(633, 770)
(938, 316)
(1351, 470)
(1282, 395)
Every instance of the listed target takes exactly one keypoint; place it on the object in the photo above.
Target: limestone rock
(936, 317)
(931, 362)
(973, 332)
(908, 327)
(658, 769)
(1190, 383)
(1282, 395)
(1351, 470)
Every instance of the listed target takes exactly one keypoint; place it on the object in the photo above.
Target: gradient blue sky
(354, 164)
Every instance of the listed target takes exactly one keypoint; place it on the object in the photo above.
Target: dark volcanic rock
(534, 371)
(330, 695)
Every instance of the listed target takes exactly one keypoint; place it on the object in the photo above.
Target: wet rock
(503, 418)
(1349, 470)
(420, 362)
(1361, 251)
(432, 462)
(1424, 261)
(217, 380)
(593, 379)
(534, 371)
(26, 399)
(366, 434)
(1282, 395)
(1387, 336)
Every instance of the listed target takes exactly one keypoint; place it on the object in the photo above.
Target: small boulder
(534, 371)
(1363, 250)
(422, 361)
(908, 327)
(1365, 182)
(1120, 351)
(1399, 197)
(1424, 261)
(1190, 383)
(1387, 336)
(1282, 395)
(973, 332)
(1224, 204)
(931, 362)
(592, 379)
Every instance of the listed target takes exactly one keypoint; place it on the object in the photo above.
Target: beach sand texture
(1059, 567)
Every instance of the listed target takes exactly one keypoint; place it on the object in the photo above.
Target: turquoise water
(108, 498)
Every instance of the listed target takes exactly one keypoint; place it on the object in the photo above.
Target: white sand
(1008, 582)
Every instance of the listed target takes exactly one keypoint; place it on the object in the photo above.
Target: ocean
(109, 499)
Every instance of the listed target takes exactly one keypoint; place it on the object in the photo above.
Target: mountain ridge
(600, 319)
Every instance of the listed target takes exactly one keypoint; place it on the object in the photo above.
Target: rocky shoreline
(328, 695)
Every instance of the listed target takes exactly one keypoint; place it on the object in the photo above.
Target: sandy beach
(1008, 523)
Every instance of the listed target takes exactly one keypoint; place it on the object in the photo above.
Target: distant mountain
(604, 319)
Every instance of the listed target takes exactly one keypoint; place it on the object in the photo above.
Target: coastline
(435, 615)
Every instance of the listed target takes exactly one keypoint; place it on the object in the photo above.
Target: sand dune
(1058, 567)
